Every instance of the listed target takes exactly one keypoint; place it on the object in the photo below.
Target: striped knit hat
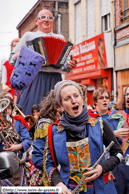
(58, 87)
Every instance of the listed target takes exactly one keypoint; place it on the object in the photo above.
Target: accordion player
(54, 49)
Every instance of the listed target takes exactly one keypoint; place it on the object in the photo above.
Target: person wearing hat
(77, 142)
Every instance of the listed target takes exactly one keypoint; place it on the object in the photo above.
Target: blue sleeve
(23, 132)
(113, 123)
(37, 153)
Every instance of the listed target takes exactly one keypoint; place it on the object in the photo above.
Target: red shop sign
(90, 55)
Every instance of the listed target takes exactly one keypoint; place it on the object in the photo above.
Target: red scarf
(22, 120)
(94, 113)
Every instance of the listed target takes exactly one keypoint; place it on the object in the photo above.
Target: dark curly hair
(49, 107)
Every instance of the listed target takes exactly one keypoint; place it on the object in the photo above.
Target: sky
(11, 14)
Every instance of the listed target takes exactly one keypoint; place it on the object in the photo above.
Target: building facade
(122, 45)
(92, 21)
(59, 9)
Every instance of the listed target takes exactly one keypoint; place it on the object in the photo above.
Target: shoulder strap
(101, 125)
(51, 143)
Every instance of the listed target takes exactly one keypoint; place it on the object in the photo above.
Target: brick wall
(118, 9)
(122, 34)
(29, 22)
(122, 28)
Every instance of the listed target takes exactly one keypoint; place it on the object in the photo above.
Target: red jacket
(9, 69)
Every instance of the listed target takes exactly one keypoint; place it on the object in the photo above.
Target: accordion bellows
(26, 68)
(54, 49)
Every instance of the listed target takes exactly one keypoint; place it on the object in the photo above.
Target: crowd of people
(61, 136)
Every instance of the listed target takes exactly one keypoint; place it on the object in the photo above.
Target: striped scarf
(122, 116)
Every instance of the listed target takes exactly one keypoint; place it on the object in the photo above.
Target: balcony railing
(126, 17)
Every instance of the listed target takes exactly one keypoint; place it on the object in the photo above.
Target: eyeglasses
(127, 94)
(102, 97)
(44, 17)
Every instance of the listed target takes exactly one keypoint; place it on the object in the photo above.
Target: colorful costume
(23, 132)
(119, 119)
(94, 114)
(39, 142)
(64, 154)
(40, 139)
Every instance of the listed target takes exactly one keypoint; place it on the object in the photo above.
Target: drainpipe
(115, 76)
(56, 8)
(58, 15)
(115, 79)
(59, 23)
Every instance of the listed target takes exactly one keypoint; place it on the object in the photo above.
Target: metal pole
(59, 23)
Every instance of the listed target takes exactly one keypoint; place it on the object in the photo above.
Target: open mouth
(127, 102)
(75, 108)
(105, 104)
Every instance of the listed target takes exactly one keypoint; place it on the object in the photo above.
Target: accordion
(26, 68)
(55, 50)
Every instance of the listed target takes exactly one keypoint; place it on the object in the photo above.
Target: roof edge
(28, 14)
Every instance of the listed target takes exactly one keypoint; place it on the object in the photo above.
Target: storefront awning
(89, 75)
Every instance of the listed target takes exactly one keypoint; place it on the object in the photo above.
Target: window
(78, 29)
(125, 10)
(105, 22)
(105, 15)
(90, 20)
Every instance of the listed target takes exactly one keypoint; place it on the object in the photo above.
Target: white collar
(50, 33)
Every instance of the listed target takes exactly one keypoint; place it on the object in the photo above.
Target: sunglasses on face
(44, 17)
(102, 97)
